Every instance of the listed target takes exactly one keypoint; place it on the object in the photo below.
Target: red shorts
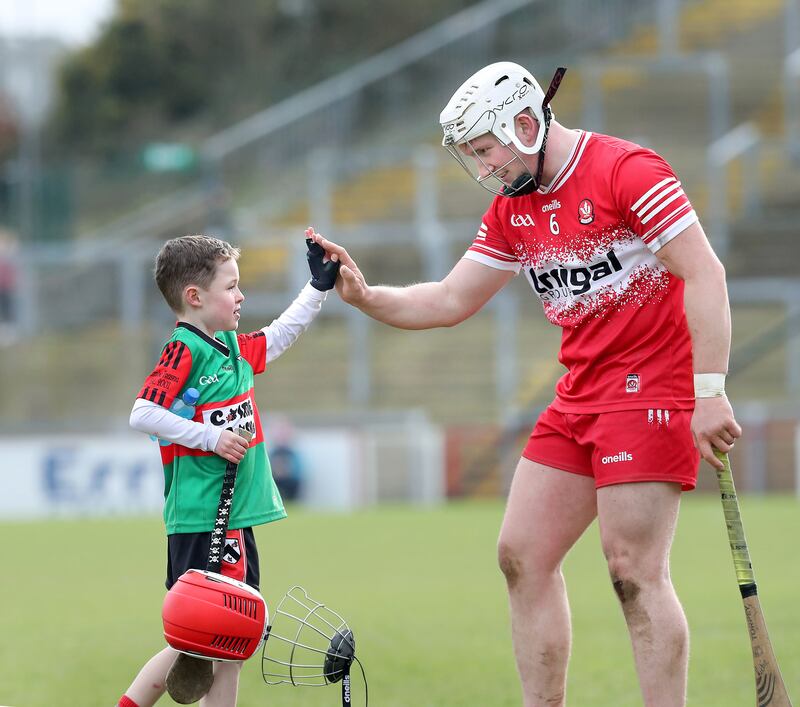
(618, 447)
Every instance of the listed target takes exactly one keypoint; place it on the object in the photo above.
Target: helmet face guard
(488, 102)
(308, 643)
(465, 154)
(208, 615)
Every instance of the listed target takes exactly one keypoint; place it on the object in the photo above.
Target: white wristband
(709, 385)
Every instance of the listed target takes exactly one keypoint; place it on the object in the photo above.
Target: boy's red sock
(126, 701)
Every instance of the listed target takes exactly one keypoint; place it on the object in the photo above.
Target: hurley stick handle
(733, 519)
(224, 511)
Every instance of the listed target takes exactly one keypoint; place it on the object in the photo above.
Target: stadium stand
(454, 374)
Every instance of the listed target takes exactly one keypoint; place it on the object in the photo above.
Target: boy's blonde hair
(189, 260)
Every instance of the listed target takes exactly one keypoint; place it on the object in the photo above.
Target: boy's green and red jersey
(222, 369)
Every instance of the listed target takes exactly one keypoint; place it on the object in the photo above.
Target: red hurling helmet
(211, 616)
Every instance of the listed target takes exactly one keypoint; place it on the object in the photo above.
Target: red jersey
(586, 244)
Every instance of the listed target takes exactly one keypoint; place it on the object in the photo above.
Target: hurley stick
(770, 688)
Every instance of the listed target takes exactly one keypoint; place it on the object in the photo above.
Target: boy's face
(219, 305)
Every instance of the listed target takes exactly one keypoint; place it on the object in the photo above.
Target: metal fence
(263, 158)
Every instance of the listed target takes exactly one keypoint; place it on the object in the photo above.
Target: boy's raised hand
(352, 286)
(323, 272)
(231, 446)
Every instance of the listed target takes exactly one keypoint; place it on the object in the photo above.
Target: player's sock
(126, 701)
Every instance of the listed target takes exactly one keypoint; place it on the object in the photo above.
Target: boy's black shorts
(190, 551)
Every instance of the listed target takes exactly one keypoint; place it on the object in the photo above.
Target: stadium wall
(398, 458)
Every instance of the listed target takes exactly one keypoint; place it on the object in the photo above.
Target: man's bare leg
(547, 512)
(637, 524)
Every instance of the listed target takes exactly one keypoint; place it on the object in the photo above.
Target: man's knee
(633, 580)
(623, 570)
(627, 590)
(634, 566)
(523, 561)
(633, 603)
(627, 575)
(509, 558)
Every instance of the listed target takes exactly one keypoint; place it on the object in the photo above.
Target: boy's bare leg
(224, 691)
(547, 512)
(150, 683)
(637, 524)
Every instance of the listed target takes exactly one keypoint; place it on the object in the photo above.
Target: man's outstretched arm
(426, 305)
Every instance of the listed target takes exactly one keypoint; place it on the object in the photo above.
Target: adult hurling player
(610, 244)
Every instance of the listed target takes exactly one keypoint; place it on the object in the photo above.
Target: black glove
(323, 274)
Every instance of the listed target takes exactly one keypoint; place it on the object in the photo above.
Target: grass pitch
(81, 606)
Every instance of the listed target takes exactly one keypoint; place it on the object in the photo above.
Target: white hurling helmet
(487, 102)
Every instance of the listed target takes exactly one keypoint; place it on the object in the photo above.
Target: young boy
(199, 278)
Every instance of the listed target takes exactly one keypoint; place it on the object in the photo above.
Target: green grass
(81, 606)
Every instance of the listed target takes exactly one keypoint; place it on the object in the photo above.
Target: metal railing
(784, 291)
(791, 106)
(712, 65)
(126, 295)
(379, 98)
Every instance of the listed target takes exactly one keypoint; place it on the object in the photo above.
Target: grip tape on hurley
(223, 511)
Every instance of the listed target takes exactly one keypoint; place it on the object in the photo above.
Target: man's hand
(714, 427)
(231, 446)
(351, 286)
(323, 272)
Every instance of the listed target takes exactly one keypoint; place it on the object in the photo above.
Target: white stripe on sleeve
(664, 205)
(652, 191)
(658, 197)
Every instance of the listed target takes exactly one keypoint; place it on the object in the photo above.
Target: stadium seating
(451, 373)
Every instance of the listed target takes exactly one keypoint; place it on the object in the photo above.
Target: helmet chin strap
(526, 183)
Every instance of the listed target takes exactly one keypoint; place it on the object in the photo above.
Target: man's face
(491, 158)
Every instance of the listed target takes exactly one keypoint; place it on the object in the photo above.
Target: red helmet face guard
(211, 616)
